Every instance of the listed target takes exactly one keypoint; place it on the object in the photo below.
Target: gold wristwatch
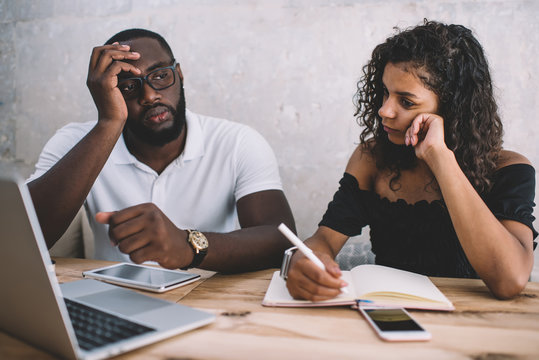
(200, 244)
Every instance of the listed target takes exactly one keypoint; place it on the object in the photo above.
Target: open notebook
(377, 284)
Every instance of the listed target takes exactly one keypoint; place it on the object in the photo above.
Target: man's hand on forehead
(107, 56)
(126, 74)
(106, 63)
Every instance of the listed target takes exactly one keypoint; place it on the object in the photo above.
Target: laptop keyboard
(95, 328)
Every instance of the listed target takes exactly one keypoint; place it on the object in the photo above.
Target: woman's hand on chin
(426, 135)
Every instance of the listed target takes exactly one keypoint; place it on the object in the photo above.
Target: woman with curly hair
(430, 177)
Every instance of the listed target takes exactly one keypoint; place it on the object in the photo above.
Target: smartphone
(142, 277)
(394, 324)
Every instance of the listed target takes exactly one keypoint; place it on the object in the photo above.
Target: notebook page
(370, 279)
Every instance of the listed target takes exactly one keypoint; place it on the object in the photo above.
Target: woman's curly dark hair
(458, 74)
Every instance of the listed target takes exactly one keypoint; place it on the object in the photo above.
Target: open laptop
(34, 307)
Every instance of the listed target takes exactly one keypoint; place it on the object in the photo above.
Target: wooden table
(481, 327)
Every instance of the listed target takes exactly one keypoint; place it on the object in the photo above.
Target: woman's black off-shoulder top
(420, 237)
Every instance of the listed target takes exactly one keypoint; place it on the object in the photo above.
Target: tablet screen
(146, 275)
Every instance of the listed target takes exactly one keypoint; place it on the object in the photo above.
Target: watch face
(199, 240)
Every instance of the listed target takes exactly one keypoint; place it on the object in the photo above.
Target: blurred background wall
(288, 68)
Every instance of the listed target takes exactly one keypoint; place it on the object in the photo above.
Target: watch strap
(285, 266)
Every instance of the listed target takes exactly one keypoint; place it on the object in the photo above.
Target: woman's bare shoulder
(362, 166)
(508, 157)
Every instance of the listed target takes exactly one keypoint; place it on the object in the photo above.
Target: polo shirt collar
(194, 143)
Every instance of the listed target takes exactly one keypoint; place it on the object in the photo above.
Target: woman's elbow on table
(509, 285)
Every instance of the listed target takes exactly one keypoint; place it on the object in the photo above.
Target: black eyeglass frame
(141, 80)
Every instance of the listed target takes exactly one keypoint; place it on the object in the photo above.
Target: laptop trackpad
(123, 302)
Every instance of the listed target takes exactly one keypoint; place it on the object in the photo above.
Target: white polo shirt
(222, 161)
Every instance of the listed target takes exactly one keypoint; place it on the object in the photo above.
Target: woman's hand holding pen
(312, 276)
(307, 281)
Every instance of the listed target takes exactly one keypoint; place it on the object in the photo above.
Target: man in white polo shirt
(159, 182)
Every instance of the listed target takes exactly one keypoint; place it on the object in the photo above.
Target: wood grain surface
(481, 327)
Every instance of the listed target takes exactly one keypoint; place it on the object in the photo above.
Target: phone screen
(392, 320)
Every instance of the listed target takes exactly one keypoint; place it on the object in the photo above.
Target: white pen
(304, 249)
(301, 246)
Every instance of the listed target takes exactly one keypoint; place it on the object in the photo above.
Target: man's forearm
(247, 249)
(60, 192)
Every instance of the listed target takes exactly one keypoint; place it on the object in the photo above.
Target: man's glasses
(158, 79)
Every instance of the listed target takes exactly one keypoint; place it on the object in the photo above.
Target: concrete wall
(286, 67)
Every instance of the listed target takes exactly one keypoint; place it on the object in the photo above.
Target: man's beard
(164, 136)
